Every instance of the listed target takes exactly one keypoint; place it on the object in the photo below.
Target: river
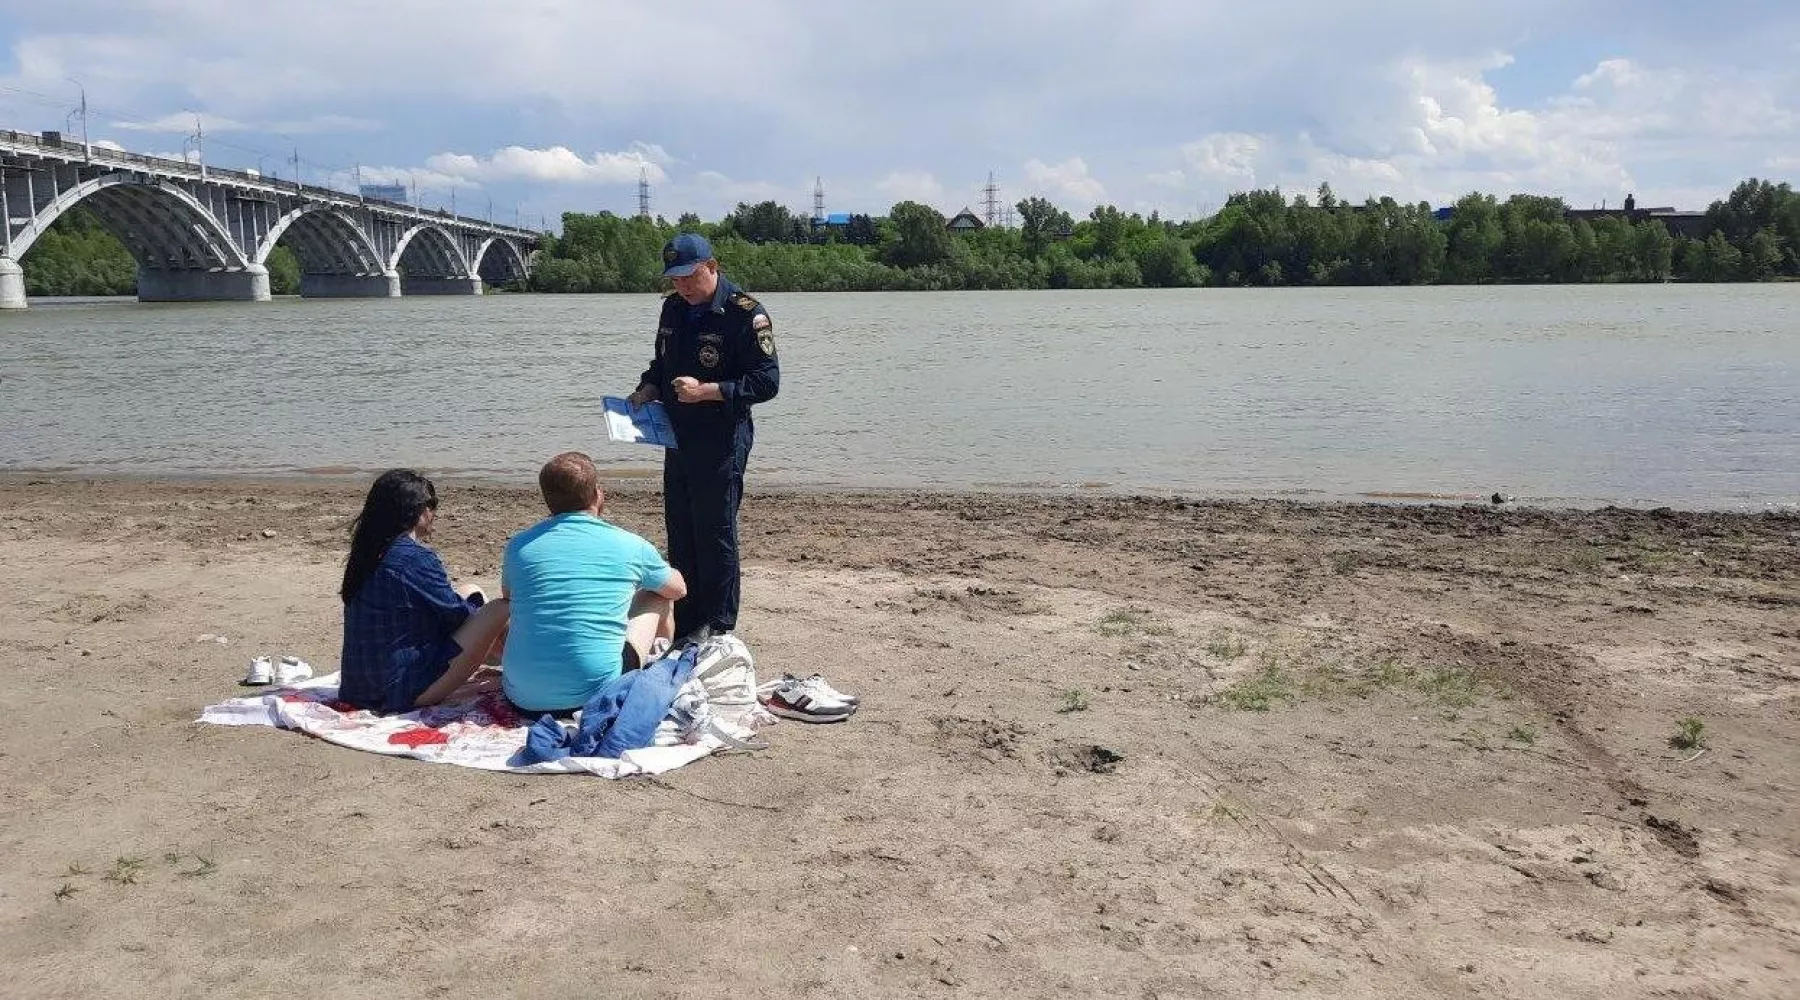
(1570, 395)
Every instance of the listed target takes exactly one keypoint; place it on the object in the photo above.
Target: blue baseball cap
(684, 253)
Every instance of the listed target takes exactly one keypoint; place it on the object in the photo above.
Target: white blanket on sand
(481, 733)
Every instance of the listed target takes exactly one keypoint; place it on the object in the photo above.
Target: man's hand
(691, 390)
(644, 394)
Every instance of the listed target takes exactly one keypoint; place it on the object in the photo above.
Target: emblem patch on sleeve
(765, 333)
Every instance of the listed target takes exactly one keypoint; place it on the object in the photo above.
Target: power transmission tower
(643, 192)
(818, 200)
(990, 201)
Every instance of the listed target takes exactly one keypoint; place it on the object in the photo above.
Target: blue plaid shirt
(397, 629)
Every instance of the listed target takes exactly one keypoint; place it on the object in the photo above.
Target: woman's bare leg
(478, 636)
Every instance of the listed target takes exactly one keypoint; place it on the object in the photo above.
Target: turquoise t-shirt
(571, 579)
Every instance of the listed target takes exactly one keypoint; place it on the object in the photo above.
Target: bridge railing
(188, 168)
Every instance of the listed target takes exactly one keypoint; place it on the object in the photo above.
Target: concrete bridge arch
(337, 257)
(499, 260)
(429, 262)
(167, 231)
(205, 233)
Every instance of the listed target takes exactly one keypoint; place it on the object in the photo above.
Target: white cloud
(916, 186)
(1066, 181)
(716, 188)
(324, 125)
(1166, 178)
(183, 122)
(555, 165)
(412, 177)
(1224, 157)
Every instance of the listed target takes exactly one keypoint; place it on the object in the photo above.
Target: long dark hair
(391, 509)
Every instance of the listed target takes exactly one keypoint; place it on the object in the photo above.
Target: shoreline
(645, 478)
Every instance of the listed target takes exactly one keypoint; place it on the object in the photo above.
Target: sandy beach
(1110, 747)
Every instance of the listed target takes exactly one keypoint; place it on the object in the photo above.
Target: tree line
(1259, 238)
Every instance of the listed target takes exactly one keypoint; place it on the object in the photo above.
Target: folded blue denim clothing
(621, 716)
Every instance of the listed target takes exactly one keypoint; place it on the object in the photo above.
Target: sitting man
(588, 597)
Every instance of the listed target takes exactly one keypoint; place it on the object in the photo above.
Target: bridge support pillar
(248, 285)
(421, 285)
(12, 284)
(350, 286)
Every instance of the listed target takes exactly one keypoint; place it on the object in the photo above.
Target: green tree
(1042, 224)
(1653, 250)
(1475, 240)
(919, 236)
(284, 271)
(861, 231)
(1763, 258)
(765, 222)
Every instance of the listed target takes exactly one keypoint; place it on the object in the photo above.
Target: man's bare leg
(652, 617)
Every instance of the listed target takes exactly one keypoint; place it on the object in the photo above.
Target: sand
(1110, 747)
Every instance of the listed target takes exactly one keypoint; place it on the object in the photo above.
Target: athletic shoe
(805, 701)
(818, 683)
(261, 672)
(292, 670)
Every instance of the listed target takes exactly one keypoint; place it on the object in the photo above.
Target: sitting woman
(410, 639)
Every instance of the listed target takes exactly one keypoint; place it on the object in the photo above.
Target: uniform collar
(723, 294)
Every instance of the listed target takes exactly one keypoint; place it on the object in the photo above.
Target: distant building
(1692, 225)
(965, 221)
(835, 220)
(385, 192)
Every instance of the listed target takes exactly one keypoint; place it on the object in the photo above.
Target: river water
(1642, 395)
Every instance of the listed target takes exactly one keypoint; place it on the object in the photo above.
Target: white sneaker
(261, 672)
(805, 700)
(817, 682)
(292, 670)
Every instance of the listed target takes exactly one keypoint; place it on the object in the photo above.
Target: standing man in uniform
(715, 359)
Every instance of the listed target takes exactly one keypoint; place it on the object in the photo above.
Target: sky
(536, 107)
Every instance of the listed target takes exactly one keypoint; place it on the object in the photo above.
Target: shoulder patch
(744, 301)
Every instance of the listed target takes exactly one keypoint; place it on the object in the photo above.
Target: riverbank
(1367, 750)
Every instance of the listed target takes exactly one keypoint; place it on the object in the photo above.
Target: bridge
(199, 233)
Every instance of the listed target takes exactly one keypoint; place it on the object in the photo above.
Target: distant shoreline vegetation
(1258, 239)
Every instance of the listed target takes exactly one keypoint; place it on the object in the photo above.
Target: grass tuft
(1073, 700)
(1223, 644)
(1259, 691)
(1690, 734)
